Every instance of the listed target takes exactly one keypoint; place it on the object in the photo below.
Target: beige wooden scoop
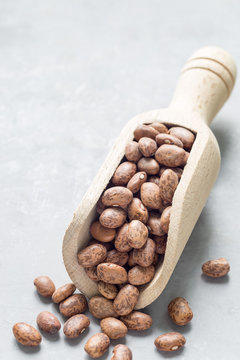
(205, 84)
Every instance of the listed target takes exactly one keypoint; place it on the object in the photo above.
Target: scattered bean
(180, 311)
(63, 292)
(75, 326)
(137, 320)
(171, 341)
(126, 300)
(100, 307)
(216, 268)
(73, 305)
(48, 322)
(44, 286)
(121, 352)
(26, 334)
(97, 345)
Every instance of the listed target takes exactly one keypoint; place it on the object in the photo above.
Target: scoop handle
(205, 83)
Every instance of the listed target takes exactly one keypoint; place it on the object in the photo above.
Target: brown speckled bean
(185, 135)
(75, 326)
(121, 243)
(165, 219)
(102, 233)
(177, 170)
(132, 151)
(167, 185)
(26, 334)
(150, 195)
(63, 292)
(92, 273)
(113, 217)
(48, 322)
(111, 273)
(216, 268)
(137, 234)
(100, 307)
(180, 311)
(144, 256)
(123, 173)
(155, 259)
(109, 291)
(44, 286)
(92, 255)
(139, 275)
(137, 211)
(147, 146)
(171, 341)
(116, 257)
(161, 243)
(153, 224)
(137, 320)
(161, 128)
(170, 155)
(126, 300)
(121, 352)
(73, 305)
(145, 131)
(136, 181)
(162, 139)
(117, 195)
(149, 165)
(97, 345)
(113, 328)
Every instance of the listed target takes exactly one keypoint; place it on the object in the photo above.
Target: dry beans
(121, 352)
(26, 334)
(97, 345)
(63, 292)
(102, 233)
(92, 255)
(170, 341)
(130, 230)
(76, 325)
(137, 211)
(137, 234)
(73, 305)
(100, 307)
(44, 286)
(113, 328)
(132, 151)
(137, 320)
(216, 268)
(109, 291)
(48, 322)
(180, 311)
(126, 300)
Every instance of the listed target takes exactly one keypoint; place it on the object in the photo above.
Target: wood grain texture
(204, 86)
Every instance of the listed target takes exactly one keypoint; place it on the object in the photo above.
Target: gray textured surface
(71, 74)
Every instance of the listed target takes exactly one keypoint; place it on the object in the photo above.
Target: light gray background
(72, 73)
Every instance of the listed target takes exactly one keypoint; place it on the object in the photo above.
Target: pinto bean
(145, 131)
(137, 320)
(185, 135)
(124, 173)
(117, 195)
(137, 234)
(147, 146)
(92, 255)
(149, 165)
(165, 219)
(137, 211)
(121, 243)
(111, 273)
(167, 185)
(102, 233)
(144, 256)
(136, 181)
(126, 300)
(132, 151)
(100, 307)
(170, 156)
(113, 217)
(139, 275)
(150, 195)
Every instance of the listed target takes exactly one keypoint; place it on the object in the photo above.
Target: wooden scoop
(205, 84)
